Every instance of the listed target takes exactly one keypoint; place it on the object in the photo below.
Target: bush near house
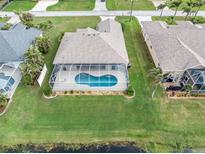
(43, 44)
(3, 102)
(32, 66)
(6, 27)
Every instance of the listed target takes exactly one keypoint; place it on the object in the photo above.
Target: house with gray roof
(92, 60)
(13, 45)
(178, 50)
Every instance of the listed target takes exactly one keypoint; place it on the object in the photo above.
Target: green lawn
(20, 5)
(73, 5)
(158, 125)
(126, 4)
(4, 19)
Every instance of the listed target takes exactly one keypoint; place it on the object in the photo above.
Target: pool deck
(65, 81)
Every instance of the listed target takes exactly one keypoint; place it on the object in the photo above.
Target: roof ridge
(198, 57)
(113, 48)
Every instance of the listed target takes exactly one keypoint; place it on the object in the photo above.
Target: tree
(175, 4)
(158, 77)
(43, 43)
(198, 4)
(45, 25)
(187, 8)
(32, 65)
(26, 19)
(161, 7)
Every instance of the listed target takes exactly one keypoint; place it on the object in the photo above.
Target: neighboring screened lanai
(195, 78)
(92, 60)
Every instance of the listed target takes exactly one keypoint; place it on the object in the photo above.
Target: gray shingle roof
(177, 47)
(15, 42)
(90, 46)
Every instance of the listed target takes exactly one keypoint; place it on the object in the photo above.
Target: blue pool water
(4, 83)
(96, 81)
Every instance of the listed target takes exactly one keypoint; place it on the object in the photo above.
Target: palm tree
(131, 9)
(158, 77)
(32, 65)
(161, 7)
(198, 4)
(175, 4)
(187, 8)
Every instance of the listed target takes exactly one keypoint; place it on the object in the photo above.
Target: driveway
(143, 18)
(100, 5)
(43, 4)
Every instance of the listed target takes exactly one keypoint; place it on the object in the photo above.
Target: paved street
(99, 13)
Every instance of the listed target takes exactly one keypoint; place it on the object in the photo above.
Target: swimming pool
(5, 85)
(96, 81)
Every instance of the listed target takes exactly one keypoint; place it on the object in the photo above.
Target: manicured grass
(126, 4)
(158, 125)
(20, 5)
(73, 5)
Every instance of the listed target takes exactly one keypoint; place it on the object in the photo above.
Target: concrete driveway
(43, 4)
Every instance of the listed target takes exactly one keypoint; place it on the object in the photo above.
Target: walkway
(158, 2)
(100, 5)
(43, 4)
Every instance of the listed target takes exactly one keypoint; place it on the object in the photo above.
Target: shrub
(43, 43)
(26, 19)
(45, 25)
(169, 20)
(6, 27)
(130, 91)
(26, 80)
(198, 20)
(3, 100)
(47, 90)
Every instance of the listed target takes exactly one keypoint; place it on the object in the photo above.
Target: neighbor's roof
(90, 46)
(177, 47)
(16, 41)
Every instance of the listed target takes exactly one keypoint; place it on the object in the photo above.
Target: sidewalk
(43, 4)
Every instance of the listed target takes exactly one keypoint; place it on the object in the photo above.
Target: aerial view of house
(92, 60)
(178, 50)
(102, 76)
(14, 42)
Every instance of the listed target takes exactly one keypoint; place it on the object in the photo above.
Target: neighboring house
(13, 45)
(179, 50)
(92, 60)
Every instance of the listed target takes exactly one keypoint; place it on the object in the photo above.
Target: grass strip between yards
(73, 5)
(158, 125)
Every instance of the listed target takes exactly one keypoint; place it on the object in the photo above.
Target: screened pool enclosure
(10, 76)
(89, 77)
(195, 78)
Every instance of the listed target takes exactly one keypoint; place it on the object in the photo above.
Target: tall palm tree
(131, 9)
(187, 8)
(161, 7)
(175, 4)
(158, 77)
(198, 4)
